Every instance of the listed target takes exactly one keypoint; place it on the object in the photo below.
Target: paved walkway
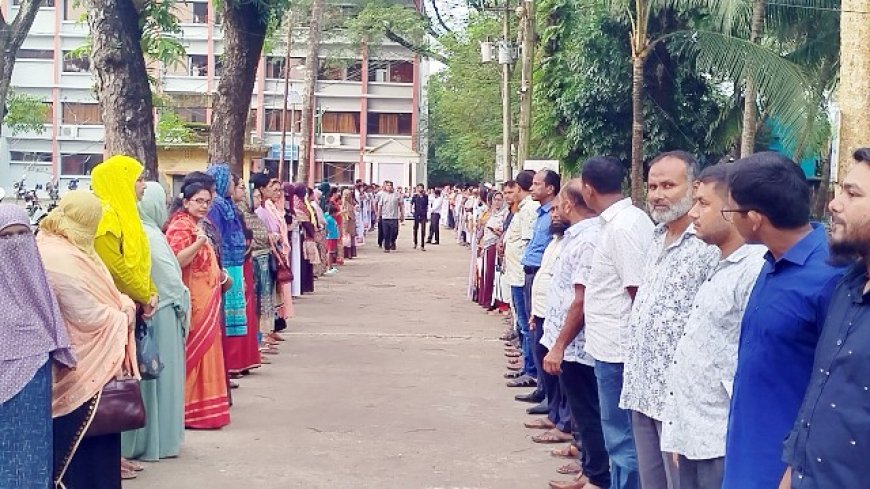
(390, 379)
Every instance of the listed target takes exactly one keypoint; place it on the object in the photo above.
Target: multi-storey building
(369, 104)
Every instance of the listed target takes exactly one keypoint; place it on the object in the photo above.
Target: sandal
(512, 375)
(569, 451)
(277, 337)
(513, 354)
(127, 474)
(570, 468)
(523, 381)
(515, 368)
(540, 424)
(552, 436)
(131, 465)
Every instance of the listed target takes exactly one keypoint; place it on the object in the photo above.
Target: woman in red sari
(206, 400)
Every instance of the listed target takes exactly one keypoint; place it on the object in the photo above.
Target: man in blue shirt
(769, 204)
(546, 185)
(828, 446)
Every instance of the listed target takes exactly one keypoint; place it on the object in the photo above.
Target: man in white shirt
(616, 273)
(436, 202)
(700, 378)
(676, 265)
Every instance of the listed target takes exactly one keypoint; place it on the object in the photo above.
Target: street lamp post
(505, 56)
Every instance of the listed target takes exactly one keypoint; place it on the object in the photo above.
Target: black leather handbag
(119, 409)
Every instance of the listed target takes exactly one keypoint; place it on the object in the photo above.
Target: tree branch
(391, 35)
(23, 20)
(439, 18)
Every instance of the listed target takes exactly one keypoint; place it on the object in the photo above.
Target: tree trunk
(312, 64)
(11, 37)
(637, 95)
(244, 33)
(854, 91)
(122, 81)
(528, 61)
(750, 96)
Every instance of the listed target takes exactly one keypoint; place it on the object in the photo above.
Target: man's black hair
(552, 179)
(604, 173)
(524, 179)
(772, 185)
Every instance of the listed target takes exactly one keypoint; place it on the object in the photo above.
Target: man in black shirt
(420, 207)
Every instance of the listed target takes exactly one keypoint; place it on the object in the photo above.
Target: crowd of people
(717, 340)
(129, 317)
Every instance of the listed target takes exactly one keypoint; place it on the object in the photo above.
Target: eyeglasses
(201, 202)
(728, 214)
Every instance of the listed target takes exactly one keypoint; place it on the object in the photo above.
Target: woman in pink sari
(272, 215)
(206, 399)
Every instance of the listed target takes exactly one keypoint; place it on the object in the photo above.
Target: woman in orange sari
(206, 400)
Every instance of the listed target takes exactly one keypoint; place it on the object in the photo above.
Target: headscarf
(76, 218)
(225, 218)
(318, 207)
(114, 182)
(324, 193)
(165, 270)
(96, 313)
(32, 325)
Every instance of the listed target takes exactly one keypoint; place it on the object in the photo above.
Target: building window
(195, 115)
(273, 120)
(338, 173)
(334, 73)
(81, 114)
(275, 67)
(35, 54)
(30, 156)
(379, 71)
(79, 163)
(76, 65)
(402, 72)
(197, 65)
(389, 124)
(43, 3)
(343, 122)
(354, 72)
(200, 13)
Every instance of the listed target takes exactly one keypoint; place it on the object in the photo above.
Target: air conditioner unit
(69, 131)
(382, 75)
(332, 140)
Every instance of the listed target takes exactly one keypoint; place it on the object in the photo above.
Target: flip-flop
(552, 436)
(513, 354)
(515, 368)
(570, 468)
(513, 375)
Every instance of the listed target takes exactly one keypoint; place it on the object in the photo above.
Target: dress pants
(435, 229)
(420, 229)
(657, 469)
(701, 474)
(580, 386)
(391, 232)
(616, 424)
(557, 401)
(380, 232)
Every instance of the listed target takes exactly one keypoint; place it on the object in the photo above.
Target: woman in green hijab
(164, 397)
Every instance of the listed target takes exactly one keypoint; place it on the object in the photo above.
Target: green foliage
(172, 130)
(161, 32)
(465, 107)
(584, 84)
(381, 20)
(25, 113)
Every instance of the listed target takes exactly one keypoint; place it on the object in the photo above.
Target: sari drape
(206, 399)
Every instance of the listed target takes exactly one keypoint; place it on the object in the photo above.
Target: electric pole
(287, 60)
(527, 21)
(506, 91)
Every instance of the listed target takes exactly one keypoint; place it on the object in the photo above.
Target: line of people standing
(678, 348)
(116, 285)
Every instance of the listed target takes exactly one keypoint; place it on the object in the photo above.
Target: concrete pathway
(389, 379)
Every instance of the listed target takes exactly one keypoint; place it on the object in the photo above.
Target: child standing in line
(332, 238)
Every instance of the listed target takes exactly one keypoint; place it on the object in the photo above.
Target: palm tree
(854, 96)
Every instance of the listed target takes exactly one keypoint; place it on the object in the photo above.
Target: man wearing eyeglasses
(769, 204)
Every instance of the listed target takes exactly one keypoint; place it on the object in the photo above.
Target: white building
(369, 104)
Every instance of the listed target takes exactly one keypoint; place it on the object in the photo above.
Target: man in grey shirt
(391, 210)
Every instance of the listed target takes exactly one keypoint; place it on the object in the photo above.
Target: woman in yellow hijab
(121, 241)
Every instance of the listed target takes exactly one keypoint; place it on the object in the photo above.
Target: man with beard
(565, 339)
(696, 411)
(676, 264)
(769, 204)
(834, 452)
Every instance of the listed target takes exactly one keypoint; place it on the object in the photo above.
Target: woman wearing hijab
(99, 320)
(32, 333)
(164, 397)
(305, 219)
(348, 223)
(314, 198)
(492, 222)
(244, 354)
(276, 206)
(293, 238)
(206, 397)
(226, 219)
(260, 250)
